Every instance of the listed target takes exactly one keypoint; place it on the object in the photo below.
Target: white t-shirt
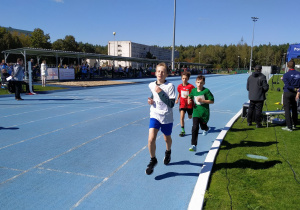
(159, 110)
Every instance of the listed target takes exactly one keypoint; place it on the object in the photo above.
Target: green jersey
(201, 110)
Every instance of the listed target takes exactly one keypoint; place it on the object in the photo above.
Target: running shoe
(193, 148)
(167, 158)
(182, 134)
(287, 129)
(294, 127)
(206, 132)
(151, 165)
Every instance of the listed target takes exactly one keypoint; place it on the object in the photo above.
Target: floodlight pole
(173, 48)
(254, 19)
(199, 59)
(114, 33)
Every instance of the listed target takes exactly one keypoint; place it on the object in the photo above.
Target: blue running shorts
(165, 128)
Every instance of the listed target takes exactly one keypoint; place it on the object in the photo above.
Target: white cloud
(59, 1)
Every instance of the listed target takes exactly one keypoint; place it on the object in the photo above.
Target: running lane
(87, 148)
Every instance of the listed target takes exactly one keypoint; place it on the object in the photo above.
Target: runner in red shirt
(184, 90)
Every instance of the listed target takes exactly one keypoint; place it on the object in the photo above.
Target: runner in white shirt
(161, 114)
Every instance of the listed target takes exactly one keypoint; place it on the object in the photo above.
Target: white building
(131, 49)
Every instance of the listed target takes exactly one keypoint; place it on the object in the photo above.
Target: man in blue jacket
(257, 86)
(290, 80)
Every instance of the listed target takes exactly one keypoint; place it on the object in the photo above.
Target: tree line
(219, 56)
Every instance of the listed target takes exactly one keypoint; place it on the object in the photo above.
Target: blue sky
(151, 21)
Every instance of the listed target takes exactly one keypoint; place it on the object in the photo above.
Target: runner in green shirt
(202, 97)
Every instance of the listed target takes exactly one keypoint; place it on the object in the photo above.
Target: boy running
(184, 90)
(202, 97)
(161, 114)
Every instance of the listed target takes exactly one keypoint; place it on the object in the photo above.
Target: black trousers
(18, 89)
(289, 103)
(255, 106)
(195, 129)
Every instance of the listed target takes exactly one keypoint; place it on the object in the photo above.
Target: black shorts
(189, 111)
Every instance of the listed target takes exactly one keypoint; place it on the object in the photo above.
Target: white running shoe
(205, 132)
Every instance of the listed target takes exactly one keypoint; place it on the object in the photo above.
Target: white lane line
(69, 172)
(110, 175)
(44, 134)
(12, 169)
(106, 179)
(81, 122)
(70, 150)
(36, 110)
(74, 112)
(197, 198)
(47, 118)
(222, 111)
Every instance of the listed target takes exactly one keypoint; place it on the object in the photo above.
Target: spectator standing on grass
(44, 73)
(18, 74)
(184, 90)
(161, 114)
(290, 96)
(257, 86)
(202, 97)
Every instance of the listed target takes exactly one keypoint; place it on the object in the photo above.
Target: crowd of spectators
(87, 72)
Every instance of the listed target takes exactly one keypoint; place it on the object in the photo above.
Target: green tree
(86, 47)
(39, 39)
(58, 44)
(101, 49)
(70, 44)
(8, 41)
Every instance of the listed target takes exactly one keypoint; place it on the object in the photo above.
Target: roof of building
(79, 55)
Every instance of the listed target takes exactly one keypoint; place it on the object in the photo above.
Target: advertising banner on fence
(66, 74)
(52, 74)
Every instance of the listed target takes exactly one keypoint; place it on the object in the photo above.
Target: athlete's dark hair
(200, 77)
(186, 73)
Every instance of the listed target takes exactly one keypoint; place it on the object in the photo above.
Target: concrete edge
(197, 199)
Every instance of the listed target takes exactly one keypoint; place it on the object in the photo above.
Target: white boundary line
(197, 199)
(110, 175)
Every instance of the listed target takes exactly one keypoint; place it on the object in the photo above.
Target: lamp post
(245, 64)
(114, 33)
(238, 61)
(173, 49)
(199, 58)
(254, 19)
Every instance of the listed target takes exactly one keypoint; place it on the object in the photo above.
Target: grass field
(257, 168)
(37, 88)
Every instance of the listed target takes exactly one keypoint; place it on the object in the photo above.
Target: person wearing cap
(290, 96)
(257, 87)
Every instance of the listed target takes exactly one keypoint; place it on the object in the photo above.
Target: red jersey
(185, 91)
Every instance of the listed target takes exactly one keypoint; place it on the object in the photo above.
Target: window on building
(119, 50)
(119, 45)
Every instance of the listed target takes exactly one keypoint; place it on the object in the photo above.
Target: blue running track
(86, 148)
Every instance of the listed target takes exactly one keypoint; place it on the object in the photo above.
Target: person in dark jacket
(257, 86)
(291, 83)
